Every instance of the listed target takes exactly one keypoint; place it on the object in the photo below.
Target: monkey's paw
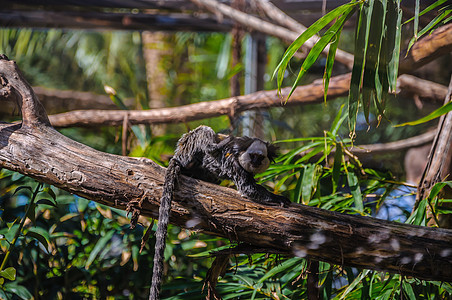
(282, 201)
(277, 200)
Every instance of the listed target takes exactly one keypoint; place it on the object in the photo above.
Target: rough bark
(37, 150)
(237, 34)
(155, 47)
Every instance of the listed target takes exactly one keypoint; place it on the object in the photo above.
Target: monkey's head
(255, 155)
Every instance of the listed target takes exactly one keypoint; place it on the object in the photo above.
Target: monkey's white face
(255, 159)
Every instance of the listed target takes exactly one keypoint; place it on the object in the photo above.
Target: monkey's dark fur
(208, 156)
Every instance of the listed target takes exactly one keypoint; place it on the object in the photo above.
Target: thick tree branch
(37, 150)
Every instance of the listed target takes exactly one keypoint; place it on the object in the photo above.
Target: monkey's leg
(195, 144)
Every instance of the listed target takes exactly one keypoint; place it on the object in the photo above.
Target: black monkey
(208, 156)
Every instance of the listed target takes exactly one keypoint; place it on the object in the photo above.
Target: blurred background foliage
(83, 250)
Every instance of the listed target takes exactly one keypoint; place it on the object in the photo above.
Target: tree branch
(37, 150)
(274, 13)
(312, 93)
(415, 141)
(428, 49)
(307, 94)
(410, 85)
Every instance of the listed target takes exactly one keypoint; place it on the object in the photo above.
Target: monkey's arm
(247, 186)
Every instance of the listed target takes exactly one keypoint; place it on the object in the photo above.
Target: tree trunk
(155, 47)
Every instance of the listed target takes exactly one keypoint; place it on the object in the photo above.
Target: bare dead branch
(427, 90)
(307, 94)
(312, 93)
(277, 15)
(35, 149)
(59, 101)
(400, 145)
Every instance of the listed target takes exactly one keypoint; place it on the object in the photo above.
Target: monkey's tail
(169, 186)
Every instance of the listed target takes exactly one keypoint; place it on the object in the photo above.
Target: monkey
(205, 155)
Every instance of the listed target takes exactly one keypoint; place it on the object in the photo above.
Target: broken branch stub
(14, 83)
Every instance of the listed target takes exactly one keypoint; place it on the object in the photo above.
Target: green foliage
(433, 115)
(444, 16)
(333, 187)
(377, 48)
(437, 204)
(59, 59)
(343, 12)
(10, 273)
(143, 133)
(66, 247)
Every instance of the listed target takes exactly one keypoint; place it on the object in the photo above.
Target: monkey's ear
(272, 151)
(221, 137)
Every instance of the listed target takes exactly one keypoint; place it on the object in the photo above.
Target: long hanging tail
(172, 173)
